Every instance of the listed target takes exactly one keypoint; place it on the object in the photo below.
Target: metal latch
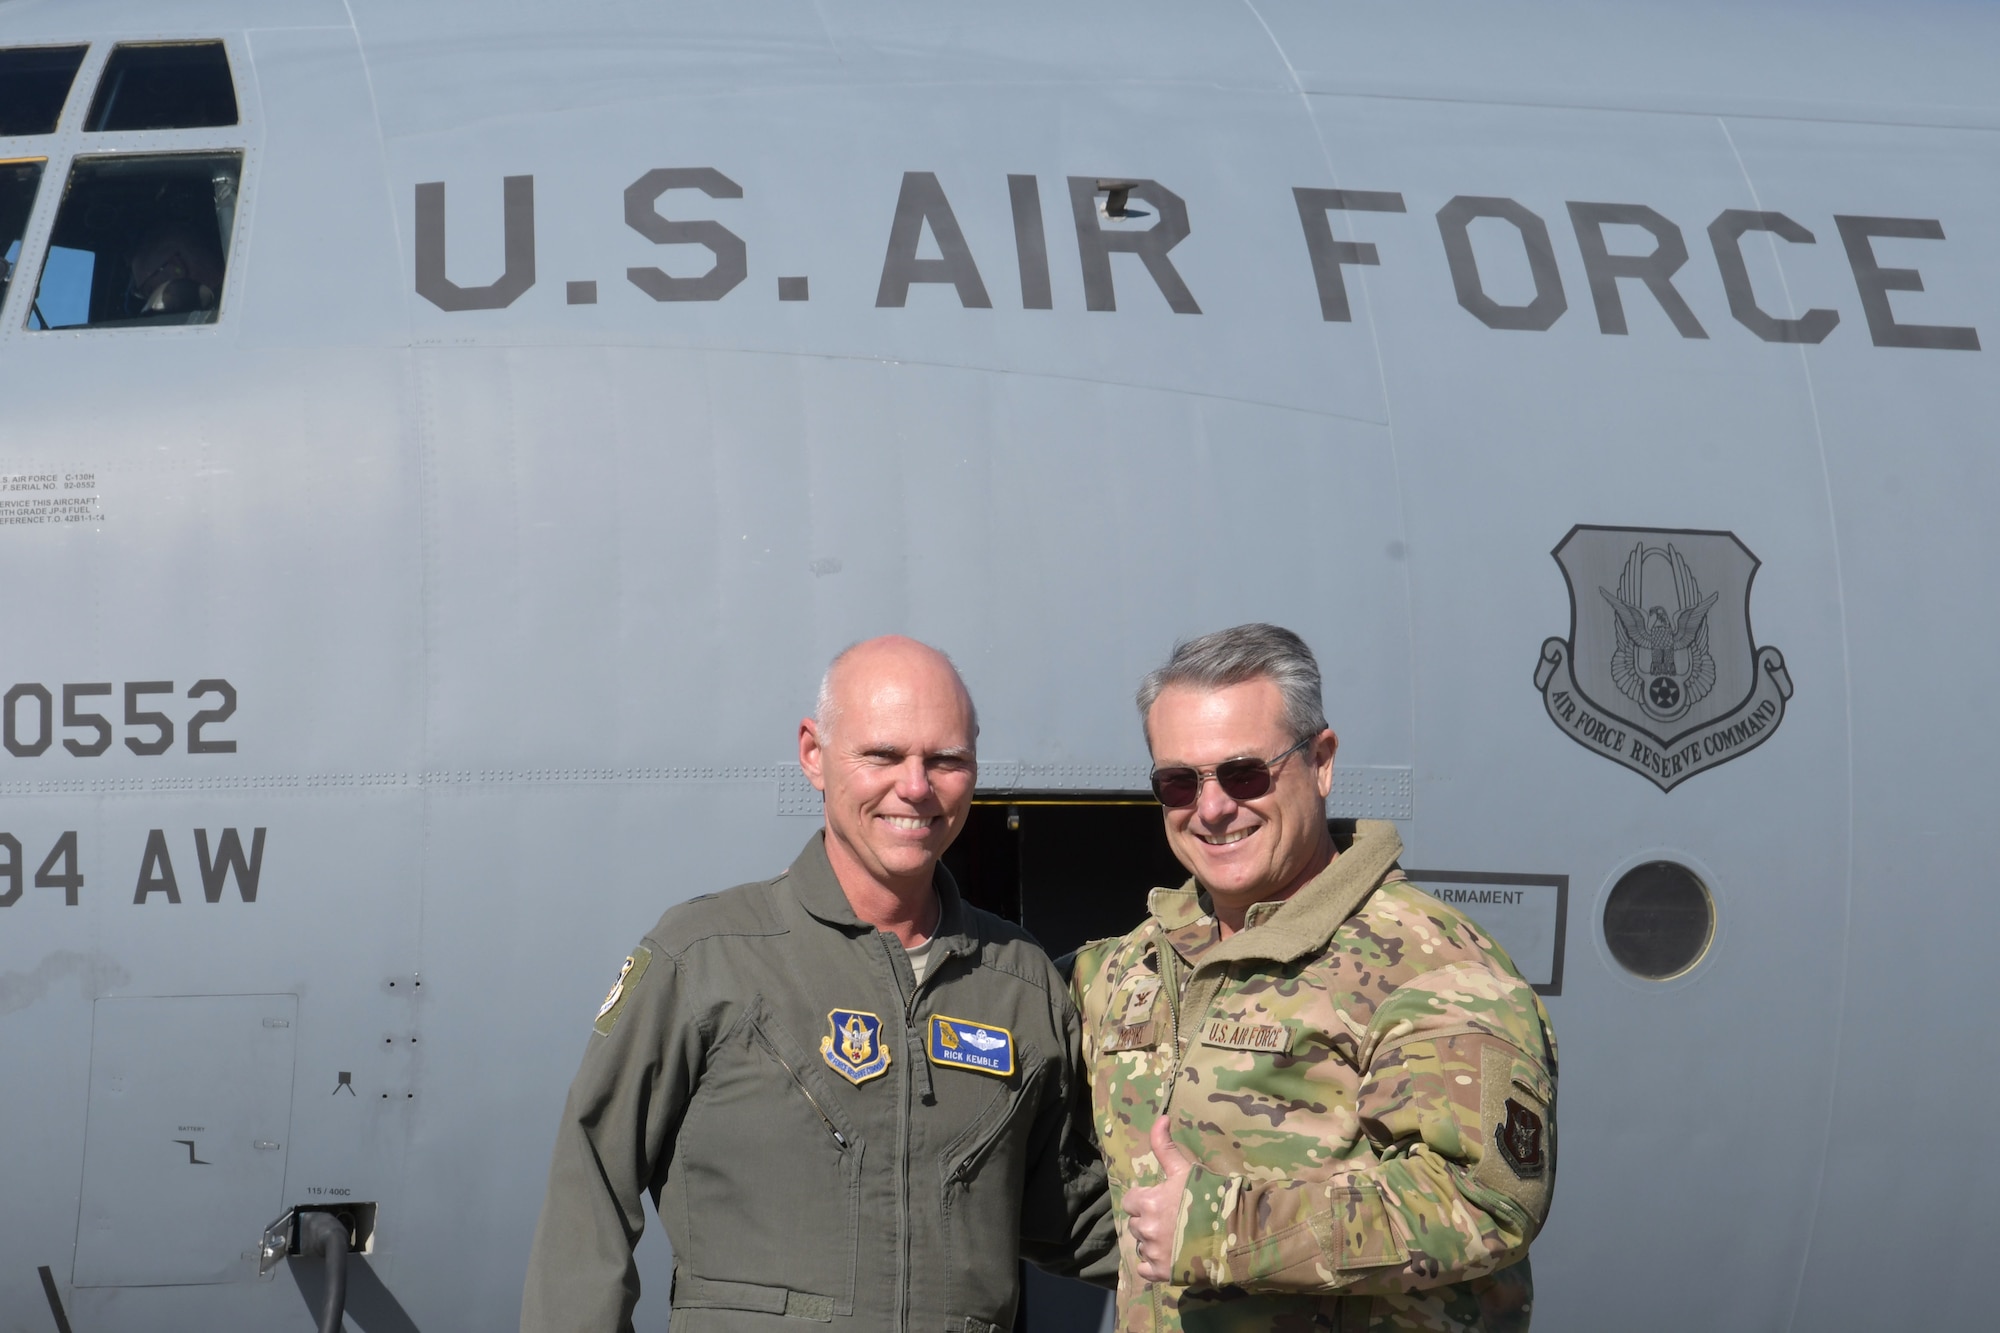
(279, 1240)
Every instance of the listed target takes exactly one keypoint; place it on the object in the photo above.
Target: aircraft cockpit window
(18, 183)
(34, 84)
(164, 86)
(139, 241)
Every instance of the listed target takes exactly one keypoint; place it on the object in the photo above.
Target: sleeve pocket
(1367, 1240)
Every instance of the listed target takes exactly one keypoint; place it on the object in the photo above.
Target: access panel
(184, 1152)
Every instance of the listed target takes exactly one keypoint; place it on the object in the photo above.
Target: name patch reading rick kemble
(969, 1045)
(1231, 1035)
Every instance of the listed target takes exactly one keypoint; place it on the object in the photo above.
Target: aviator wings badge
(1659, 672)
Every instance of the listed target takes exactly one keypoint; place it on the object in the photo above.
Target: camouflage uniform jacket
(1366, 1086)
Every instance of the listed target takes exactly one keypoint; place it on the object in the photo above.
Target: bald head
(892, 750)
(895, 662)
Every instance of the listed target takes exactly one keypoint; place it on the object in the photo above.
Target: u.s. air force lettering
(1660, 672)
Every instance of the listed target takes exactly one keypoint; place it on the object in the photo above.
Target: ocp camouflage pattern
(1367, 1087)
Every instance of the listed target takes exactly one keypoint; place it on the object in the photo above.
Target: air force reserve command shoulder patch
(1520, 1141)
(628, 977)
(964, 1044)
(853, 1045)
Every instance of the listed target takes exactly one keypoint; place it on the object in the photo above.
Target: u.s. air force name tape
(964, 1044)
(1231, 1035)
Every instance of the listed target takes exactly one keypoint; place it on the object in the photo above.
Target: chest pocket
(982, 1172)
(1135, 1015)
(768, 1154)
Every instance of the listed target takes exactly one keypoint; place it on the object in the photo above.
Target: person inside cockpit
(174, 272)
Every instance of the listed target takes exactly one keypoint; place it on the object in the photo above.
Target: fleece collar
(1296, 928)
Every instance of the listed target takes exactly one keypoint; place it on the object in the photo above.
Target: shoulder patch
(1519, 1153)
(635, 966)
(1520, 1140)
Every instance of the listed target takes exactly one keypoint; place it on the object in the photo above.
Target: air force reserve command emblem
(853, 1045)
(964, 1044)
(1660, 672)
(1520, 1141)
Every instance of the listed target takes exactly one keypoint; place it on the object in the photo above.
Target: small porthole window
(34, 84)
(139, 241)
(18, 182)
(164, 86)
(1658, 920)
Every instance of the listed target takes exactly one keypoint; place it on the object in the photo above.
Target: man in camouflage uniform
(1326, 1099)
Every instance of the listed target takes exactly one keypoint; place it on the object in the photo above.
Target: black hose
(323, 1235)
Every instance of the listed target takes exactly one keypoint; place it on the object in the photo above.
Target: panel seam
(1847, 704)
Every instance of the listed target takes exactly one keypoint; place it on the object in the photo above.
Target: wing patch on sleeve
(628, 976)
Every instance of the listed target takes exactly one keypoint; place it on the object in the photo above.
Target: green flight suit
(826, 1142)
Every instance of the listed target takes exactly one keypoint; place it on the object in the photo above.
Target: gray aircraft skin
(1604, 392)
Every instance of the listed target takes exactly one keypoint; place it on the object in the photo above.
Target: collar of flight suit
(819, 892)
(1298, 926)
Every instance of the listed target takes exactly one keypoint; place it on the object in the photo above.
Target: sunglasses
(1240, 779)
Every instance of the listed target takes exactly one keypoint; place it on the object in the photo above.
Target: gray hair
(826, 708)
(1246, 652)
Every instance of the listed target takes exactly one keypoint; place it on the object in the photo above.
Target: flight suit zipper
(978, 1152)
(913, 1046)
(800, 1084)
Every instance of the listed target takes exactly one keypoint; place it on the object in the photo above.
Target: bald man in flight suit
(855, 1100)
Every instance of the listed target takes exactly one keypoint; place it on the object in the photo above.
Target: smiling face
(895, 759)
(1243, 852)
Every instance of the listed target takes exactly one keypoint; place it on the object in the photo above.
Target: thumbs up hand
(1153, 1211)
